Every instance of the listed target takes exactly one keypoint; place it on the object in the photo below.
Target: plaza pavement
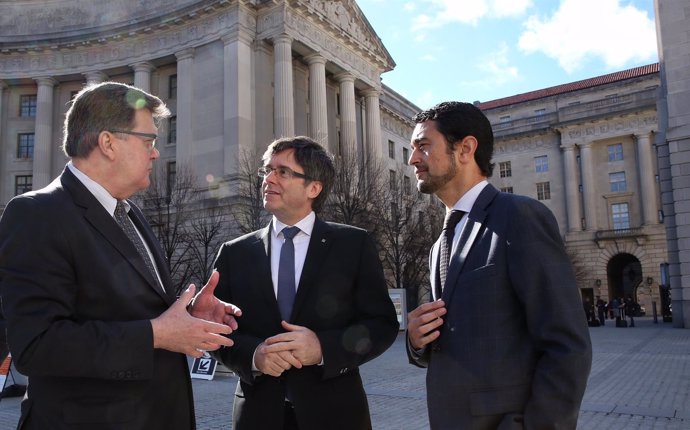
(640, 379)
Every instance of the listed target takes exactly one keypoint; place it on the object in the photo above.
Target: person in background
(504, 339)
(315, 303)
(93, 318)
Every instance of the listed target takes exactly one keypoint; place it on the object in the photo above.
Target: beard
(434, 182)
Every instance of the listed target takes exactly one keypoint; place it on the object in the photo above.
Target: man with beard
(504, 338)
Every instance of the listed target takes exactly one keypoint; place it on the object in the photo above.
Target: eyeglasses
(282, 172)
(150, 136)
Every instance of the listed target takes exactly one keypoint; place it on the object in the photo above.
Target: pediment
(346, 19)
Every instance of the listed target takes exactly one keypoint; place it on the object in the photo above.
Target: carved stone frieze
(519, 146)
(127, 50)
(608, 129)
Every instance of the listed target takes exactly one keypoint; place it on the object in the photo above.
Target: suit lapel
(101, 220)
(319, 244)
(468, 235)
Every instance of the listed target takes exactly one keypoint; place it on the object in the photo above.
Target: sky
(482, 50)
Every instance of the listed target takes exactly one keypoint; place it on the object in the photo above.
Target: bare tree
(206, 233)
(407, 228)
(357, 186)
(249, 213)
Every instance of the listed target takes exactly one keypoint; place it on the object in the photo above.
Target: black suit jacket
(341, 296)
(78, 299)
(514, 350)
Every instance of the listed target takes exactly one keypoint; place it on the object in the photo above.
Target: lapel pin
(323, 240)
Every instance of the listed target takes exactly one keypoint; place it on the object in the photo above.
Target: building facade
(673, 141)
(586, 150)
(235, 74)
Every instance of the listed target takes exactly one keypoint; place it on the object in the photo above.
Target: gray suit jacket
(514, 350)
(78, 298)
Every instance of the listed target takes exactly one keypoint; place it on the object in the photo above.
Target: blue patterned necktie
(286, 273)
(452, 219)
(126, 224)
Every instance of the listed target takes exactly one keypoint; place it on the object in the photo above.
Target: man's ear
(314, 189)
(106, 144)
(465, 149)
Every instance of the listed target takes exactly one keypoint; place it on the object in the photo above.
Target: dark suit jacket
(514, 348)
(341, 296)
(78, 299)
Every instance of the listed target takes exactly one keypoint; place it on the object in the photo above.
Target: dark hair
(313, 158)
(103, 106)
(457, 120)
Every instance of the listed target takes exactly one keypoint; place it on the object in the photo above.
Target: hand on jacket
(423, 323)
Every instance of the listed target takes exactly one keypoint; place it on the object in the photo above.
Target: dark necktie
(452, 219)
(126, 224)
(286, 273)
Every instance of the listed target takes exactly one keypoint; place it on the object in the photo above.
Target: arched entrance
(624, 273)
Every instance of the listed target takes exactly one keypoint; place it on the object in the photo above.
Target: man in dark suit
(92, 316)
(298, 357)
(504, 339)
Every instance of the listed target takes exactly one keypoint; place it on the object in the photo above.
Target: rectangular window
(22, 184)
(504, 119)
(406, 184)
(543, 191)
(171, 176)
(172, 129)
(27, 106)
(617, 181)
(615, 152)
(541, 164)
(25, 146)
(406, 155)
(172, 87)
(508, 190)
(391, 149)
(620, 215)
(505, 169)
(392, 180)
(540, 112)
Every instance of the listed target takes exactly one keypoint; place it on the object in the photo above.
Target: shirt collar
(306, 224)
(101, 194)
(467, 200)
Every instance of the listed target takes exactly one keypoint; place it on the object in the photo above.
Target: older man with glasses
(93, 317)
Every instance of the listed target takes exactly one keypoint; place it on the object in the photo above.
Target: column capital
(344, 77)
(237, 34)
(282, 38)
(95, 76)
(142, 66)
(568, 147)
(45, 81)
(645, 134)
(185, 54)
(372, 92)
(315, 58)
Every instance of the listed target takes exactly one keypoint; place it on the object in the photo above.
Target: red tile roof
(573, 86)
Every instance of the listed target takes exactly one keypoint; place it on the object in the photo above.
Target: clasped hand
(297, 347)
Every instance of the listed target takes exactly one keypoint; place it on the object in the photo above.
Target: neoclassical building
(235, 73)
(586, 150)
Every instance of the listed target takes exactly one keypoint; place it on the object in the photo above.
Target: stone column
(348, 125)
(374, 151)
(237, 99)
(317, 98)
(648, 197)
(95, 77)
(185, 84)
(571, 189)
(142, 75)
(43, 136)
(588, 186)
(2, 139)
(283, 100)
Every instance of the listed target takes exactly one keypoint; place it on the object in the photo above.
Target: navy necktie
(452, 219)
(286, 273)
(126, 224)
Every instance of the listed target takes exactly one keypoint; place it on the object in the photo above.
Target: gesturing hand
(208, 307)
